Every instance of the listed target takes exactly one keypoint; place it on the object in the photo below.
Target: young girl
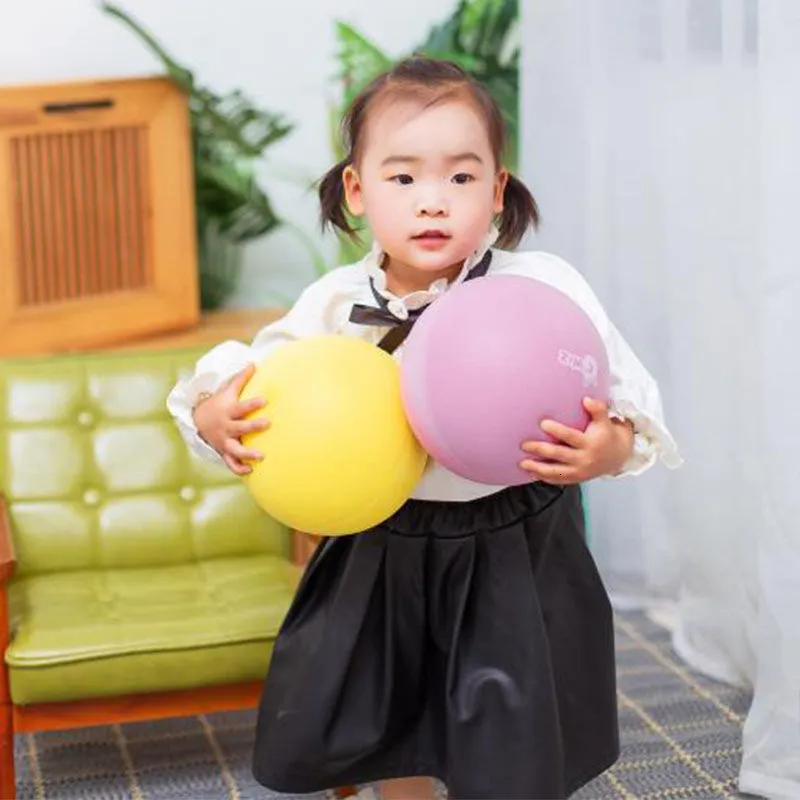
(469, 637)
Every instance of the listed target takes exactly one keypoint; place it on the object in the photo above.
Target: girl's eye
(463, 177)
(403, 179)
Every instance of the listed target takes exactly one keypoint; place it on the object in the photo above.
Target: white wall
(280, 53)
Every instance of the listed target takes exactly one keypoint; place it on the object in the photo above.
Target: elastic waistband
(452, 519)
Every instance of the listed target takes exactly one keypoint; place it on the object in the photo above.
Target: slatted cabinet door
(97, 227)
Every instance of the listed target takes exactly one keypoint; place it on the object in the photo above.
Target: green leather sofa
(139, 569)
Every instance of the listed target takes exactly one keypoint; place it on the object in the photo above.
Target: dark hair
(432, 81)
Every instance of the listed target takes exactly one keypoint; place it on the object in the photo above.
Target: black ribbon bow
(380, 315)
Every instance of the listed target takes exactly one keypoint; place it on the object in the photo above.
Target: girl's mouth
(431, 238)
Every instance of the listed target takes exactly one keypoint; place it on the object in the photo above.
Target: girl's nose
(431, 203)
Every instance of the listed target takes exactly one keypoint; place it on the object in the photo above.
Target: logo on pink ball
(586, 365)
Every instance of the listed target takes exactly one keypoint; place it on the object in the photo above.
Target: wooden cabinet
(97, 227)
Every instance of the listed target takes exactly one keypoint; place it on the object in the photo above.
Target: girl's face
(427, 184)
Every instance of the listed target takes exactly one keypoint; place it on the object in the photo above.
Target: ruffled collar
(400, 306)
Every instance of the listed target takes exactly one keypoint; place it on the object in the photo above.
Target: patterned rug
(681, 738)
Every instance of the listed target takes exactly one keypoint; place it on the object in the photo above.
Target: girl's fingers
(236, 466)
(558, 474)
(571, 436)
(237, 428)
(237, 382)
(246, 407)
(552, 452)
(235, 448)
(596, 408)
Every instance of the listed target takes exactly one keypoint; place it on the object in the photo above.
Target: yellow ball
(339, 455)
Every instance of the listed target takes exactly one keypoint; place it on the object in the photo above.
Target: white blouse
(324, 308)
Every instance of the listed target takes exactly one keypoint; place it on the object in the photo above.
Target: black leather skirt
(472, 642)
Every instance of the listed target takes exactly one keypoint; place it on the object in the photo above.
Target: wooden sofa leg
(7, 564)
(7, 780)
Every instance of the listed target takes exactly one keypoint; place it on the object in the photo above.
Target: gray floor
(681, 738)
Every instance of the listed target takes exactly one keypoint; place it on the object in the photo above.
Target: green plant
(480, 36)
(229, 136)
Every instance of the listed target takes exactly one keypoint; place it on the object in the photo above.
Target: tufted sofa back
(95, 474)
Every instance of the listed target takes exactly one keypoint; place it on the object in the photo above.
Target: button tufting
(188, 493)
(91, 497)
(86, 419)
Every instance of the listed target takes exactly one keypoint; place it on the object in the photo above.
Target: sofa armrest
(7, 560)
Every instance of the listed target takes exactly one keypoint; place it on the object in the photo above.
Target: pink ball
(491, 359)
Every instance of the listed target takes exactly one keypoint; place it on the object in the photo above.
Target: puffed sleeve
(635, 396)
(634, 393)
(314, 313)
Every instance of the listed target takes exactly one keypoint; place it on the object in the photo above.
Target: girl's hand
(580, 456)
(219, 421)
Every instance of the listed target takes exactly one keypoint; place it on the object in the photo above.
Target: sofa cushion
(96, 475)
(109, 632)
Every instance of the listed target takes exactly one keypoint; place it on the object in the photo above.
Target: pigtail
(520, 212)
(333, 207)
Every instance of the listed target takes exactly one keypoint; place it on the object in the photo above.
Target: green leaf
(466, 61)
(335, 133)
(361, 60)
(232, 120)
(180, 75)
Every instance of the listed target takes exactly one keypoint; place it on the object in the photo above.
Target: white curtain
(662, 140)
